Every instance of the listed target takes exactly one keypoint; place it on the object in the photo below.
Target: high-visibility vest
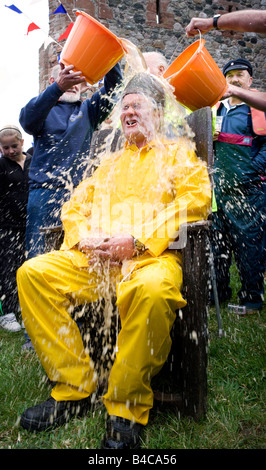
(258, 121)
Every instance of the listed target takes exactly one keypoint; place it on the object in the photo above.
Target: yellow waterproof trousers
(147, 300)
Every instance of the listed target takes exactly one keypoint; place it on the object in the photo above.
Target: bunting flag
(48, 41)
(66, 33)
(14, 8)
(60, 9)
(32, 27)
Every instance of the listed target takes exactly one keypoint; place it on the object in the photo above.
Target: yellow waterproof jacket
(147, 192)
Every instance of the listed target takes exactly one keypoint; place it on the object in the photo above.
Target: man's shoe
(121, 434)
(52, 413)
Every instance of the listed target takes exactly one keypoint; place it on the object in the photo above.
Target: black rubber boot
(121, 434)
(52, 413)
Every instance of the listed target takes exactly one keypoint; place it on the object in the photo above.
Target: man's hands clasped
(115, 249)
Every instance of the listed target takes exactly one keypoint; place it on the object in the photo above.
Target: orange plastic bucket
(196, 78)
(91, 48)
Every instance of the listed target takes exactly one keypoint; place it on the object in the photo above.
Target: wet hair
(11, 130)
(147, 85)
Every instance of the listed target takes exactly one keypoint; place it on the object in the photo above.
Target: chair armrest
(51, 229)
(199, 225)
(53, 237)
(186, 229)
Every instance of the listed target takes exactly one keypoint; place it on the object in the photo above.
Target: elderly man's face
(240, 78)
(71, 95)
(139, 119)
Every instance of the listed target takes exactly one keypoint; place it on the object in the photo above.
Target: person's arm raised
(244, 20)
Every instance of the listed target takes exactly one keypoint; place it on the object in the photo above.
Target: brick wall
(136, 21)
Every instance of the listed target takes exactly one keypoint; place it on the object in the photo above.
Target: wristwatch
(215, 21)
(139, 247)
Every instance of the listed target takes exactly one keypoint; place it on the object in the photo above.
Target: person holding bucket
(244, 20)
(62, 127)
(119, 226)
(239, 179)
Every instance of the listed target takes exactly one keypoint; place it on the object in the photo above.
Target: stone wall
(138, 22)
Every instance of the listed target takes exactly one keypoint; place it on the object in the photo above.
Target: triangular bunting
(48, 41)
(60, 9)
(66, 33)
(14, 8)
(32, 27)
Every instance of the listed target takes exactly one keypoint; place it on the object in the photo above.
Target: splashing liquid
(104, 317)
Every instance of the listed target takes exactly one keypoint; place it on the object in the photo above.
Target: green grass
(236, 396)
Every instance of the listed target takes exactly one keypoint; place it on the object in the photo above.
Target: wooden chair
(187, 362)
(195, 288)
(182, 383)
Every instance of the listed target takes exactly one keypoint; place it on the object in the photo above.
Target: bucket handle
(199, 48)
(197, 52)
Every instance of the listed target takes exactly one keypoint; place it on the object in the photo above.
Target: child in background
(14, 167)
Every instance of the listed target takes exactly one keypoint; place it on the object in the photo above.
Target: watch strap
(215, 21)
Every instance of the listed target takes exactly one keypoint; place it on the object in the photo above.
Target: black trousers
(12, 256)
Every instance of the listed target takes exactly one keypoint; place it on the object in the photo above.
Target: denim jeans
(44, 209)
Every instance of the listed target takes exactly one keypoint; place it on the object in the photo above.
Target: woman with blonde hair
(14, 167)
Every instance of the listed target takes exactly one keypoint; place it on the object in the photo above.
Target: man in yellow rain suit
(125, 216)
